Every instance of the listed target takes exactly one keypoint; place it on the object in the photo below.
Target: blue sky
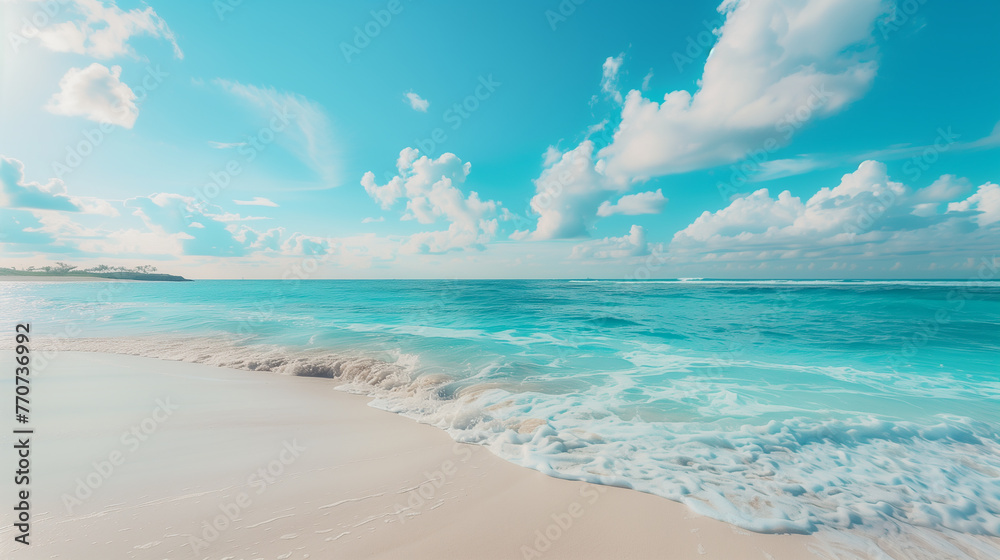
(516, 139)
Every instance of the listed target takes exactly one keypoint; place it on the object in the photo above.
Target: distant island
(63, 270)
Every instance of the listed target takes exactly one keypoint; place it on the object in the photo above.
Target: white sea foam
(844, 283)
(799, 473)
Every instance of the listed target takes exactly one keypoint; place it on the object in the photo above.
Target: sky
(522, 139)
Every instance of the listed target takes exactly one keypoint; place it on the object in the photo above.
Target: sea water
(779, 406)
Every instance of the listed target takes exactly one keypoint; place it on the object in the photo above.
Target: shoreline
(64, 279)
(295, 467)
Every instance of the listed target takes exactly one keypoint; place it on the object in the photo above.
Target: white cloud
(269, 240)
(569, 192)
(866, 216)
(777, 65)
(609, 77)
(298, 123)
(432, 190)
(650, 202)
(131, 242)
(947, 187)
(201, 231)
(17, 192)
(416, 102)
(104, 30)
(986, 202)
(93, 205)
(97, 93)
(225, 145)
(633, 244)
(307, 245)
(371, 220)
(780, 168)
(591, 130)
(256, 201)
(945, 140)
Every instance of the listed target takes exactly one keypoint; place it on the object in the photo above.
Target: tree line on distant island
(63, 268)
(142, 272)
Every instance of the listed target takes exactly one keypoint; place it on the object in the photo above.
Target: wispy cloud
(609, 77)
(946, 140)
(256, 201)
(310, 138)
(225, 145)
(416, 102)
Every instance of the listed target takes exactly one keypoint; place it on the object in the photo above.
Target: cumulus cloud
(947, 187)
(432, 190)
(102, 30)
(777, 65)
(634, 244)
(569, 192)
(299, 124)
(985, 203)
(256, 201)
(96, 93)
(650, 202)
(17, 192)
(867, 215)
(416, 102)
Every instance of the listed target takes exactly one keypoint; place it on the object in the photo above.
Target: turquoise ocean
(779, 406)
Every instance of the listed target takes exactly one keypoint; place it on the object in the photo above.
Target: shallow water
(777, 406)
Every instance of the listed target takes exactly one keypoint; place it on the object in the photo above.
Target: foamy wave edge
(489, 416)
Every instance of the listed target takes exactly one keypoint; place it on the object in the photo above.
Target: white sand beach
(138, 458)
